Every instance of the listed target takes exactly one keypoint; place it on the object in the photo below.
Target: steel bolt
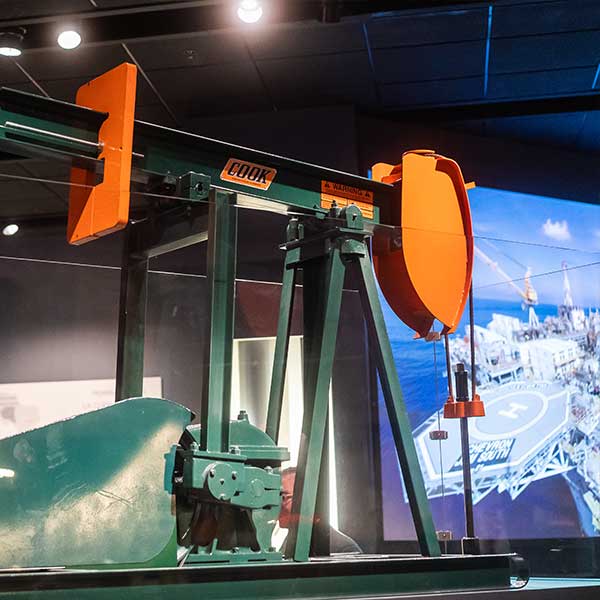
(212, 472)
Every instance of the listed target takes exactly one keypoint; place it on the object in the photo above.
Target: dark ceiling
(536, 60)
(382, 63)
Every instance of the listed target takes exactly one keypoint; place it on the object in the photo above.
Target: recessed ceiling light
(10, 229)
(11, 43)
(249, 11)
(69, 39)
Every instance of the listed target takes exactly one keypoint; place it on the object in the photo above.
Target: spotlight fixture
(250, 11)
(69, 39)
(10, 229)
(11, 42)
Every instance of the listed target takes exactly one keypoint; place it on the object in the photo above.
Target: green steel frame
(323, 244)
(323, 254)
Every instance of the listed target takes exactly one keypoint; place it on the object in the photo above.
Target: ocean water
(421, 365)
(545, 509)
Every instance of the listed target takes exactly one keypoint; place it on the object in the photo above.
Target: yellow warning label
(343, 195)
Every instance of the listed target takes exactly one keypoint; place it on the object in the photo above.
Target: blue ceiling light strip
(372, 64)
(596, 77)
(488, 39)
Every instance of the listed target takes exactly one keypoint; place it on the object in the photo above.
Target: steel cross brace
(324, 257)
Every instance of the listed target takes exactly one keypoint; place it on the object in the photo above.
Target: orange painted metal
(468, 408)
(97, 210)
(428, 274)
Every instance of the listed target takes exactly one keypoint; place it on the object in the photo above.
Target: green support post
(221, 259)
(401, 429)
(320, 542)
(282, 341)
(321, 320)
(132, 319)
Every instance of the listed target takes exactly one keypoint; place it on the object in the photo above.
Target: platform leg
(396, 409)
(132, 320)
(323, 280)
(221, 264)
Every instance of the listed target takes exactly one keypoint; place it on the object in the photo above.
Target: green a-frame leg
(324, 255)
(214, 221)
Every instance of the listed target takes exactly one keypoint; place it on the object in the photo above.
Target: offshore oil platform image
(540, 382)
(135, 501)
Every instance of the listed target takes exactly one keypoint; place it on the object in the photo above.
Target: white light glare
(6, 473)
(9, 51)
(249, 11)
(69, 39)
(10, 229)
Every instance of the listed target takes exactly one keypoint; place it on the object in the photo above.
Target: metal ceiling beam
(131, 23)
(495, 109)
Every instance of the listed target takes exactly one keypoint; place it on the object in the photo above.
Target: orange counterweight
(97, 210)
(428, 275)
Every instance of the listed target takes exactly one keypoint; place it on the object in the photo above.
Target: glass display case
(225, 394)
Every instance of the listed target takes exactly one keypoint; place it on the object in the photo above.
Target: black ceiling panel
(190, 51)
(66, 89)
(545, 52)
(20, 9)
(378, 63)
(359, 95)
(122, 3)
(86, 62)
(301, 75)
(217, 88)
(399, 95)
(10, 73)
(541, 83)
(550, 17)
(425, 63)
(429, 28)
(303, 40)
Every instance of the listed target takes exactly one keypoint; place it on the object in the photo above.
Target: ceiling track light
(69, 38)
(250, 11)
(11, 42)
(10, 229)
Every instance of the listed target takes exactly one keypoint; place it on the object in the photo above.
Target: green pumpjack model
(132, 500)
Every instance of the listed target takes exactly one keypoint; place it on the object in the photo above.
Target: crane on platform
(528, 294)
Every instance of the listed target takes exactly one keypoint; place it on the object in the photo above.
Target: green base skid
(331, 578)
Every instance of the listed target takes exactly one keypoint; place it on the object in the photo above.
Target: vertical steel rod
(472, 340)
(464, 433)
(448, 366)
(466, 467)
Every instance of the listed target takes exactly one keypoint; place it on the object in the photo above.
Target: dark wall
(487, 161)
(322, 136)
